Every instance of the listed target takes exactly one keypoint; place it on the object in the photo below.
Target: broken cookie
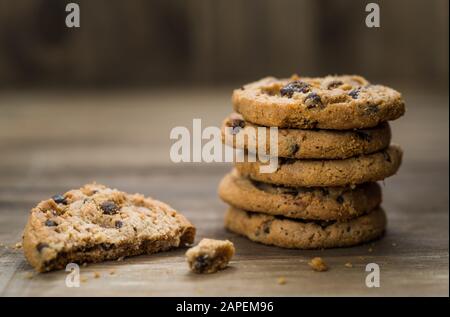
(96, 223)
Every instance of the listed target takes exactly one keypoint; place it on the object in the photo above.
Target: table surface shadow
(51, 143)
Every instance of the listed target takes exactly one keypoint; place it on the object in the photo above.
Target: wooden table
(50, 143)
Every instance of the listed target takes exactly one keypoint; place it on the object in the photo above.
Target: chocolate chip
(266, 226)
(334, 84)
(59, 199)
(372, 109)
(313, 101)
(293, 148)
(201, 263)
(354, 93)
(387, 157)
(237, 124)
(295, 86)
(40, 246)
(118, 224)
(109, 207)
(50, 223)
(363, 136)
(340, 199)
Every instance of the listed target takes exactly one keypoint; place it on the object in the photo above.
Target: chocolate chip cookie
(311, 203)
(96, 223)
(332, 102)
(310, 173)
(298, 234)
(308, 144)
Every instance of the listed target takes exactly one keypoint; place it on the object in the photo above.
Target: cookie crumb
(348, 264)
(96, 275)
(200, 291)
(84, 264)
(318, 265)
(18, 246)
(394, 244)
(83, 279)
(281, 280)
(210, 255)
(370, 250)
(28, 275)
(120, 259)
(112, 272)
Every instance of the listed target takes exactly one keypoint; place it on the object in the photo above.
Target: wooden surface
(52, 143)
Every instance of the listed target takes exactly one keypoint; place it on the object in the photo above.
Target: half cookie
(297, 234)
(332, 102)
(314, 203)
(307, 144)
(311, 173)
(96, 223)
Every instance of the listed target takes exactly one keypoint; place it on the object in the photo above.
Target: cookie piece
(313, 203)
(310, 173)
(297, 234)
(318, 264)
(308, 144)
(96, 223)
(332, 102)
(210, 255)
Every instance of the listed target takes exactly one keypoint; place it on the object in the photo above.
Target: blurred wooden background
(140, 43)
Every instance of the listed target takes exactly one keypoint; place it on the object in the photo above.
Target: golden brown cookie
(297, 234)
(332, 102)
(308, 144)
(96, 223)
(313, 203)
(312, 173)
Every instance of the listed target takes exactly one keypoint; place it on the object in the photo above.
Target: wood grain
(141, 42)
(50, 143)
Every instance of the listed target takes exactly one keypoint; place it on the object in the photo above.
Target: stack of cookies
(333, 146)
